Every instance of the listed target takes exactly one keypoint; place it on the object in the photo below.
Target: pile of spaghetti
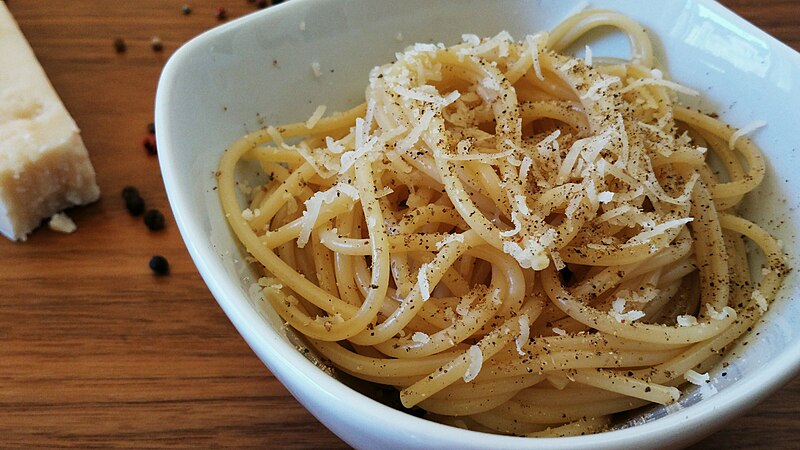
(519, 241)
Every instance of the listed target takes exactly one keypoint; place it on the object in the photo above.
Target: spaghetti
(519, 241)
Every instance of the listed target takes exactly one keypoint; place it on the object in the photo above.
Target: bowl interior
(260, 70)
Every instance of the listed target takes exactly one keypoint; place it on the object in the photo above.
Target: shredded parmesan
(659, 82)
(686, 321)
(524, 333)
(760, 300)
(475, 358)
(450, 238)
(720, 315)
(696, 378)
(533, 48)
(605, 197)
(617, 308)
(532, 256)
(658, 230)
(745, 130)
(314, 207)
(559, 331)
(312, 121)
(517, 226)
(423, 282)
(420, 337)
(62, 223)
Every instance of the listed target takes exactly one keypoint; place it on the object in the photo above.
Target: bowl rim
(293, 369)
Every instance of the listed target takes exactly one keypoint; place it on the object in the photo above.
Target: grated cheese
(659, 82)
(420, 337)
(522, 204)
(524, 333)
(594, 91)
(686, 321)
(720, 315)
(605, 197)
(760, 300)
(423, 282)
(747, 129)
(696, 378)
(62, 223)
(533, 47)
(532, 256)
(559, 331)
(658, 230)
(450, 238)
(314, 206)
(517, 226)
(617, 308)
(312, 121)
(475, 358)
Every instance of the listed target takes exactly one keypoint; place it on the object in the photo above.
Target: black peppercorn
(154, 220)
(156, 44)
(159, 265)
(130, 192)
(135, 205)
(149, 144)
(186, 10)
(120, 46)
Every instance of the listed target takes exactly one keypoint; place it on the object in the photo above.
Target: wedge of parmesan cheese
(44, 166)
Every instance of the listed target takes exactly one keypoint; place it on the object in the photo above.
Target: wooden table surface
(97, 351)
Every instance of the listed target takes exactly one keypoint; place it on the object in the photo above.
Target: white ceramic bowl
(258, 70)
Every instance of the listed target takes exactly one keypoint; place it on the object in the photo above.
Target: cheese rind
(44, 165)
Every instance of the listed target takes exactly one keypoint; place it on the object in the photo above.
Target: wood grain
(96, 351)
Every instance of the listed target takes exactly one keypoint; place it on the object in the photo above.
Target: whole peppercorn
(159, 265)
(130, 192)
(120, 46)
(154, 220)
(220, 13)
(135, 205)
(186, 10)
(149, 144)
(156, 44)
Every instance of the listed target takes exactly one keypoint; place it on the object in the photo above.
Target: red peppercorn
(149, 144)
